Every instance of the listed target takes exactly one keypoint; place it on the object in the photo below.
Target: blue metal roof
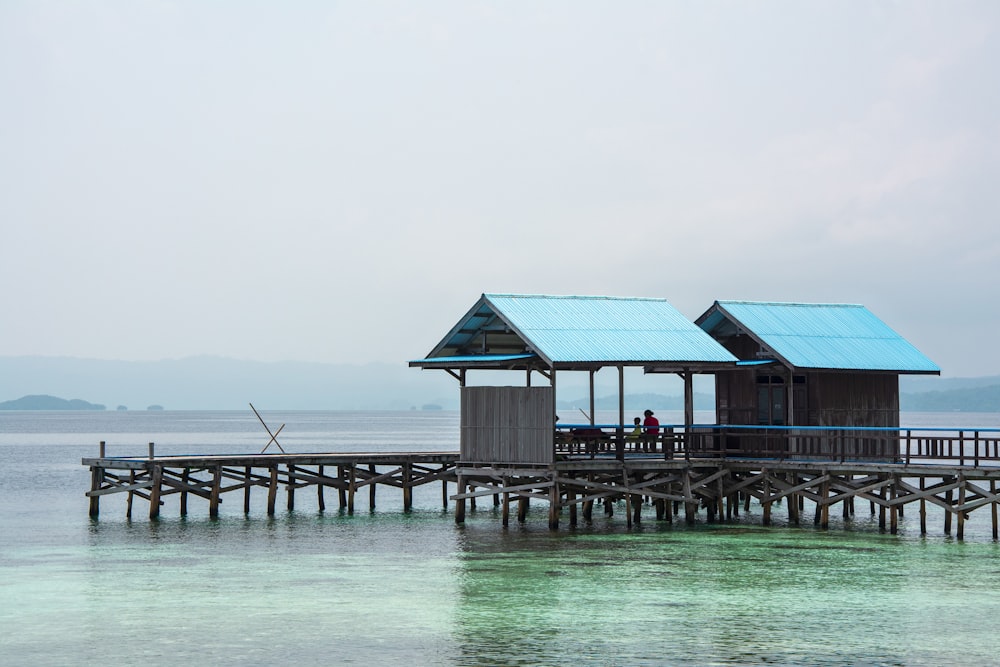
(581, 329)
(824, 336)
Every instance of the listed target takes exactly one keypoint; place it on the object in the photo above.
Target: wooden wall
(507, 425)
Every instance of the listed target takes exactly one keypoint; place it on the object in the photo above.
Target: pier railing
(952, 446)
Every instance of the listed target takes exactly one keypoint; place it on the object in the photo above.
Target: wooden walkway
(680, 482)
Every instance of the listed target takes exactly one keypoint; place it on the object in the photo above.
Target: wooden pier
(676, 478)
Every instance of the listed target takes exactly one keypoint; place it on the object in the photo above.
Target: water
(392, 588)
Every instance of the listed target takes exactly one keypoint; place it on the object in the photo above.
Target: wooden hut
(831, 365)
(542, 336)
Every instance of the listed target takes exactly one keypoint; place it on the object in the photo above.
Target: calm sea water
(385, 587)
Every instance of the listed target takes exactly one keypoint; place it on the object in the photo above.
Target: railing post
(907, 447)
(975, 448)
(961, 448)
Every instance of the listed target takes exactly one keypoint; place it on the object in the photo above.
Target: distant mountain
(971, 399)
(45, 402)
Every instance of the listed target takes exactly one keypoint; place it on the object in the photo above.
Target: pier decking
(955, 471)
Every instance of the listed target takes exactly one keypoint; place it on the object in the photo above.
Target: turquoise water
(392, 588)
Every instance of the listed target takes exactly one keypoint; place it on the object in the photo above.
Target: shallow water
(392, 588)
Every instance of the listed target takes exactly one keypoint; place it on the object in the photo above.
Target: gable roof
(568, 331)
(818, 336)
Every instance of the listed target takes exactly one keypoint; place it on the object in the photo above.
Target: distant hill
(45, 402)
(973, 399)
(219, 383)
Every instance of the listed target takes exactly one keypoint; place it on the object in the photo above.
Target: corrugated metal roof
(581, 329)
(833, 336)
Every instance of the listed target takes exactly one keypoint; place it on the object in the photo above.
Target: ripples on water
(393, 588)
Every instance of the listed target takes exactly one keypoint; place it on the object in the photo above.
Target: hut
(544, 335)
(810, 365)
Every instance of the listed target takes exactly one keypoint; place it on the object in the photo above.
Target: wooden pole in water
(923, 510)
(767, 499)
(352, 488)
(460, 502)
(554, 507)
(342, 489)
(213, 503)
(290, 487)
(960, 514)
(320, 500)
(522, 509)
(690, 508)
(993, 508)
(506, 506)
(96, 479)
(571, 501)
(185, 477)
(272, 489)
(824, 515)
(407, 486)
(128, 503)
(793, 500)
(883, 494)
(947, 513)
(893, 512)
(371, 488)
(154, 491)
(246, 489)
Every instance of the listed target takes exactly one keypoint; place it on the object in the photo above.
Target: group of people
(646, 431)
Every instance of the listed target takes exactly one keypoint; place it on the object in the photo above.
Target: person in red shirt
(651, 426)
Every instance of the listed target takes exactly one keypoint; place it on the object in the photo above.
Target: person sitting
(651, 428)
(635, 437)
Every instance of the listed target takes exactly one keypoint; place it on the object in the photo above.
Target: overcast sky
(339, 182)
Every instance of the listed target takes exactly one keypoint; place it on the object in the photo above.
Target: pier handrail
(890, 444)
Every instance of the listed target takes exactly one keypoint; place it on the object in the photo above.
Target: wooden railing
(953, 446)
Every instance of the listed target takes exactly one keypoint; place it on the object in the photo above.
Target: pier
(680, 476)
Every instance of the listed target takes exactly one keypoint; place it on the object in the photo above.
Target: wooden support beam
(460, 502)
(371, 489)
(96, 480)
(320, 501)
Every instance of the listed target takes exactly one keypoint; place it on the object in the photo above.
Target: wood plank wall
(507, 424)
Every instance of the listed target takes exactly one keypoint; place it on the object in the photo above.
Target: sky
(339, 182)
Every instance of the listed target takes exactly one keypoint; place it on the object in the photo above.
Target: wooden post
(793, 500)
(213, 503)
(151, 457)
(571, 501)
(272, 489)
(247, 470)
(947, 513)
(290, 487)
(371, 488)
(460, 502)
(993, 509)
(883, 493)
(959, 514)
(893, 511)
(320, 501)
(444, 493)
(923, 510)
(522, 509)
(407, 486)
(128, 503)
(352, 488)
(690, 509)
(185, 477)
(767, 498)
(506, 506)
(342, 489)
(824, 517)
(554, 507)
(154, 492)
